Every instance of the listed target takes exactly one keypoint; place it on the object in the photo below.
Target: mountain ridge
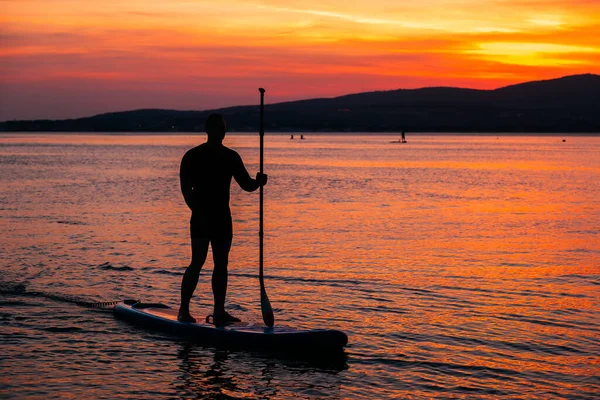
(566, 104)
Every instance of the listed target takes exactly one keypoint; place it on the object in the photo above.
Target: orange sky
(71, 58)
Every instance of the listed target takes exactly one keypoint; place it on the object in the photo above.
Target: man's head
(215, 127)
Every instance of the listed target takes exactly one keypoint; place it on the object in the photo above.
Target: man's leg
(220, 249)
(191, 275)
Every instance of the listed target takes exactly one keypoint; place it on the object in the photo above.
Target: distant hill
(568, 104)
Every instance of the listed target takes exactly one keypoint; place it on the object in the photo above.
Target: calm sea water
(459, 266)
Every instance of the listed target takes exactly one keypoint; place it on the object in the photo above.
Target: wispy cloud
(353, 18)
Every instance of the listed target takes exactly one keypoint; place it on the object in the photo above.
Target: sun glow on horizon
(73, 58)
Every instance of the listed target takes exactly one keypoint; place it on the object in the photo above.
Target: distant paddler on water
(401, 140)
(205, 177)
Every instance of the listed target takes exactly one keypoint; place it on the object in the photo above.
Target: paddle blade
(267, 310)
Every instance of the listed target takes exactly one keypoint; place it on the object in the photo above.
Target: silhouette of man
(205, 176)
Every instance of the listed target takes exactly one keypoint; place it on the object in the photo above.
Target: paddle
(265, 304)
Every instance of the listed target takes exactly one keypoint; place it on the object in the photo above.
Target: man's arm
(185, 181)
(242, 177)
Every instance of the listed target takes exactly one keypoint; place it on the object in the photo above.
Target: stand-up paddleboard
(240, 335)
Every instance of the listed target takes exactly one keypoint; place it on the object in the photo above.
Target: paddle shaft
(265, 304)
(261, 195)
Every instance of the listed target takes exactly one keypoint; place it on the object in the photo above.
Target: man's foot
(222, 319)
(185, 317)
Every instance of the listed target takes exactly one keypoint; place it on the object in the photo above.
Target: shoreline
(285, 133)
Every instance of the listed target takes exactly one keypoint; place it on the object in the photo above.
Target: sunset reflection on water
(459, 266)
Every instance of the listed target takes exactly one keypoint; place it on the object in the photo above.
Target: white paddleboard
(244, 335)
